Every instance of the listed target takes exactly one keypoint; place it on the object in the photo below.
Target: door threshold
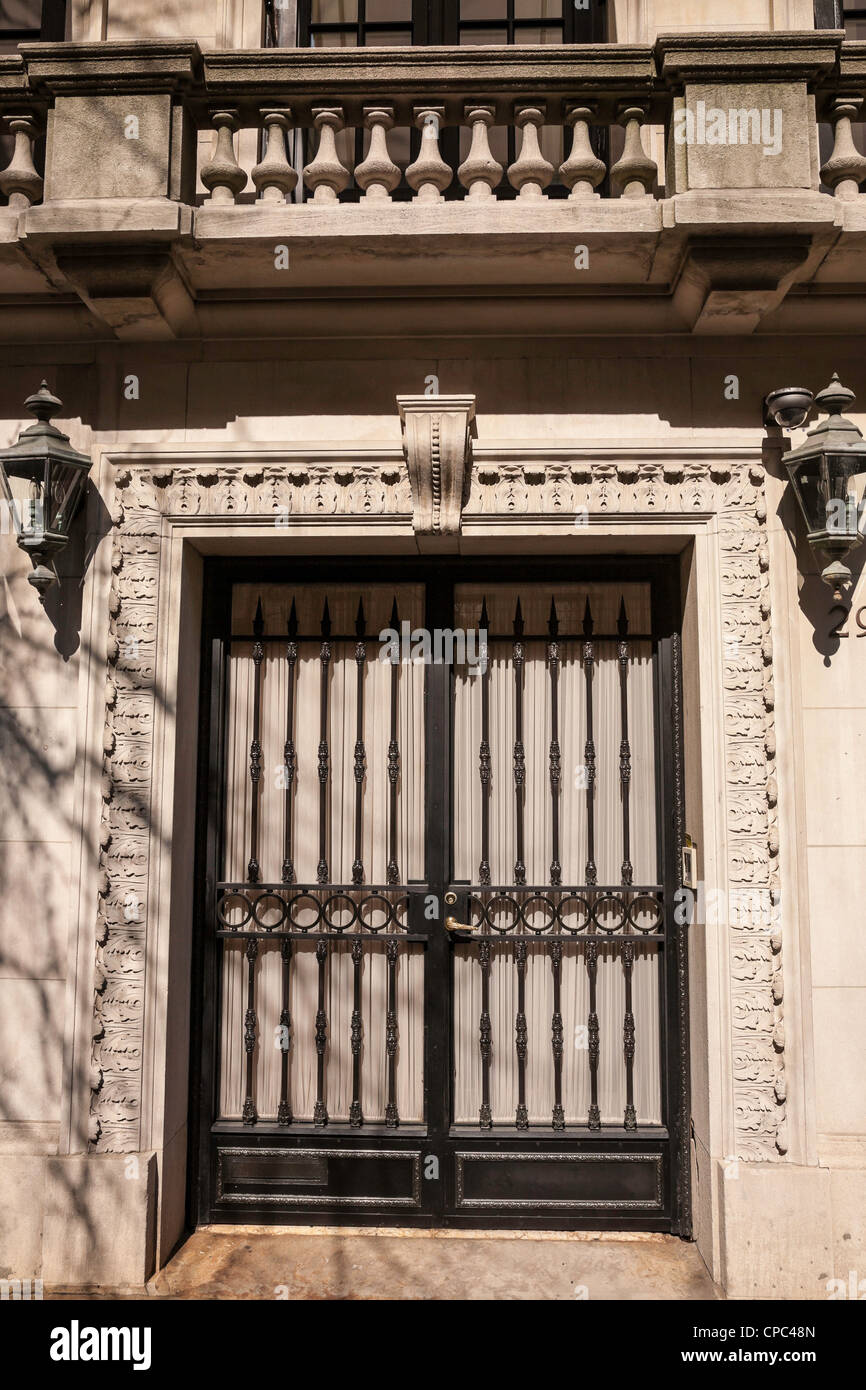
(438, 1233)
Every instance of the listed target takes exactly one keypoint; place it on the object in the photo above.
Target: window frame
(438, 22)
(52, 26)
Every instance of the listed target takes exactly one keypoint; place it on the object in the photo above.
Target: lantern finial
(835, 398)
(42, 403)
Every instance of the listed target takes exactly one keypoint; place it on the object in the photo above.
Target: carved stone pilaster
(437, 435)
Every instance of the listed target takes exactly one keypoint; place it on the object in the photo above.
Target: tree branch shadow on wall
(42, 859)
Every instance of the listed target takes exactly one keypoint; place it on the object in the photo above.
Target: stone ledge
(127, 218)
(795, 210)
(458, 219)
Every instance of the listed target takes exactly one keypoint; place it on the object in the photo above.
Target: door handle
(452, 924)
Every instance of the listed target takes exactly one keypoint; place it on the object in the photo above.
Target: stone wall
(211, 454)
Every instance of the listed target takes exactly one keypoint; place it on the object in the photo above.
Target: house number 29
(836, 629)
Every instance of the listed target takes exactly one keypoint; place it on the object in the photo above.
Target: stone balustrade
(331, 172)
(369, 127)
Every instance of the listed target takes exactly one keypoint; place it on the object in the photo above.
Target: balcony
(709, 184)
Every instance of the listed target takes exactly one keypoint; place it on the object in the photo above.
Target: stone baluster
(634, 172)
(845, 170)
(325, 174)
(274, 176)
(223, 175)
(429, 175)
(378, 175)
(19, 180)
(530, 173)
(480, 172)
(582, 172)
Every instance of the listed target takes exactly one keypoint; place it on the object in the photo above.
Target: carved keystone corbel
(437, 435)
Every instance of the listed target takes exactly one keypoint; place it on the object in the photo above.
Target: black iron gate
(432, 987)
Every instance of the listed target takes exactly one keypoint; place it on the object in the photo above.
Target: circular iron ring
(313, 902)
(546, 906)
(328, 906)
(259, 910)
(573, 898)
(657, 909)
(227, 903)
(367, 903)
(487, 909)
(619, 904)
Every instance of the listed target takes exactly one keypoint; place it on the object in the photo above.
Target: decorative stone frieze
(431, 487)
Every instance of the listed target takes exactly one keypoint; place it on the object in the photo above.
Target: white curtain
(604, 600)
(342, 683)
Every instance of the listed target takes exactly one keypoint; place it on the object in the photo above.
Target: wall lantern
(822, 470)
(43, 480)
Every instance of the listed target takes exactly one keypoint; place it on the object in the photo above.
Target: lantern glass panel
(809, 494)
(66, 484)
(839, 474)
(23, 500)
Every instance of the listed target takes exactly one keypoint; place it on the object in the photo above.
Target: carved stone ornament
(437, 444)
(437, 434)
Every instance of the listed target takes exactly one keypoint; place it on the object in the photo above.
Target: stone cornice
(82, 69)
(679, 453)
(796, 55)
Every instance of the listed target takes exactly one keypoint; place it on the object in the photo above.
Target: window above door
(389, 23)
(24, 21)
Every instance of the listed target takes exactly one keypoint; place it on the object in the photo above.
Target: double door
(440, 973)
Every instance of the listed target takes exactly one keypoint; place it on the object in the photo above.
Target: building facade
(430, 784)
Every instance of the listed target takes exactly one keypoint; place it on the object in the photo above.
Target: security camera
(788, 407)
